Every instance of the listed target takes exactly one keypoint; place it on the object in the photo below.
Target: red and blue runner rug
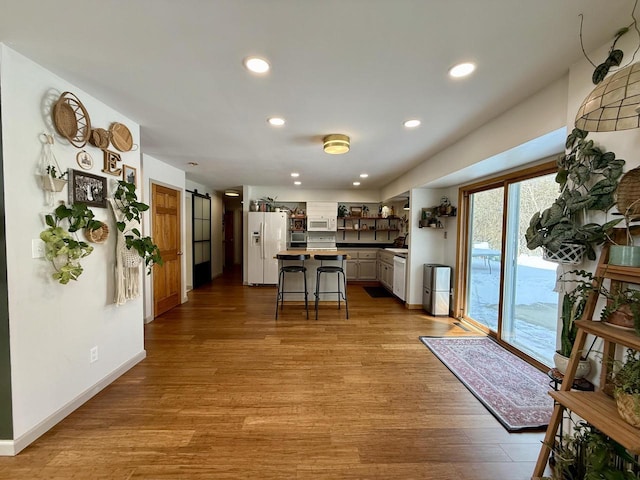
(511, 389)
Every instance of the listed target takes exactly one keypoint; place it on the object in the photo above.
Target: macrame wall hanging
(127, 269)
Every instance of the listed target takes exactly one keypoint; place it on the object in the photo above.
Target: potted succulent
(126, 201)
(588, 178)
(626, 387)
(62, 247)
(342, 210)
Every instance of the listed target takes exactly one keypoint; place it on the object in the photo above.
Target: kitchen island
(295, 282)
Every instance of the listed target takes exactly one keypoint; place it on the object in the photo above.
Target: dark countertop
(363, 245)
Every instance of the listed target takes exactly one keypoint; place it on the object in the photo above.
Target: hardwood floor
(228, 392)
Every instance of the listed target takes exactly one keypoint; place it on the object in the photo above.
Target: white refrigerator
(267, 237)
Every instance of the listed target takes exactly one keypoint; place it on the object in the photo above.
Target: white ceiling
(358, 67)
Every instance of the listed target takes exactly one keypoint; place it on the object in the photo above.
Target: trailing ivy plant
(127, 202)
(62, 247)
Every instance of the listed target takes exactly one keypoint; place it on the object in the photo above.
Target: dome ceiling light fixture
(336, 144)
(614, 104)
(231, 193)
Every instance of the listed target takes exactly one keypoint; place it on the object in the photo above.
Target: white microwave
(321, 224)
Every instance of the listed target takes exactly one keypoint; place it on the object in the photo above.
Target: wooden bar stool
(284, 269)
(338, 270)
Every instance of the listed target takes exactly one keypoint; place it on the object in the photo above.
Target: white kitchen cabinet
(385, 265)
(362, 265)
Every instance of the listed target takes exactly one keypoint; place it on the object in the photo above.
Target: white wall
(160, 173)
(53, 326)
(426, 245)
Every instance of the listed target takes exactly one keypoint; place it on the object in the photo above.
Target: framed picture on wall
(130, 174)
(87, 188)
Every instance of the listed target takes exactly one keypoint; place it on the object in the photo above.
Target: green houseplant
(62, 247)
(590, 455)
(626, 383)
(588, 178)
(573, 303)
(622, 307)
(126, 200)
(53, 180)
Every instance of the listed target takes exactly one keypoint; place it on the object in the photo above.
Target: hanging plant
(127, 203)
(62, 247)
(588, 178)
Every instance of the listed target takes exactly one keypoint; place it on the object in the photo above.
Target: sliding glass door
(508, 288)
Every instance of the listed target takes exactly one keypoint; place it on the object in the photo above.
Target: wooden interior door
(167, 281)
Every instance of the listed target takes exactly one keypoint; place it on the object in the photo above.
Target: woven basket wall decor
(99, 138)
(121, 137)
(71, 119)
(628, 193)
(99, 235)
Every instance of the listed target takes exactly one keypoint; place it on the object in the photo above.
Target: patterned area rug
(511, 389)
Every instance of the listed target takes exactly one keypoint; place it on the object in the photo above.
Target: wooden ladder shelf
(596, 408)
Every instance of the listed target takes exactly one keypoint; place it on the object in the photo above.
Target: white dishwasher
(399, 278)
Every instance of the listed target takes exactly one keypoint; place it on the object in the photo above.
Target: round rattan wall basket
(121, 137)
(628, 194)
(99, 235)
(71, 119)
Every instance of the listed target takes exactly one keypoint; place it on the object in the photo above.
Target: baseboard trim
(12, 448)
(413, 306)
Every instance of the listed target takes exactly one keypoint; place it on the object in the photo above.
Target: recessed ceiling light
(462, 70)
(276, 121)
(231, 193)
(295, 174)
(355, 184)
(256, 64)
(412, 123)
(364, 175)
(297, 182)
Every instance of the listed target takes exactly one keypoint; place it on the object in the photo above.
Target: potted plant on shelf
(623, 251)
(626, 387)
(126, 201)
(62, 247)
(588, 178)
(342, 210)
(590, 454)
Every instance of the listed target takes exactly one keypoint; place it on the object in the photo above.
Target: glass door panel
(485, 246)
(529, 320)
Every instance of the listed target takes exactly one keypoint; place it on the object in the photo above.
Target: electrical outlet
(93, 355)
(37, 248)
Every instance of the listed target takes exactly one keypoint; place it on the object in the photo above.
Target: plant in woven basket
(625, 378)
(127, 201)
(588, 178)
(62, 247)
